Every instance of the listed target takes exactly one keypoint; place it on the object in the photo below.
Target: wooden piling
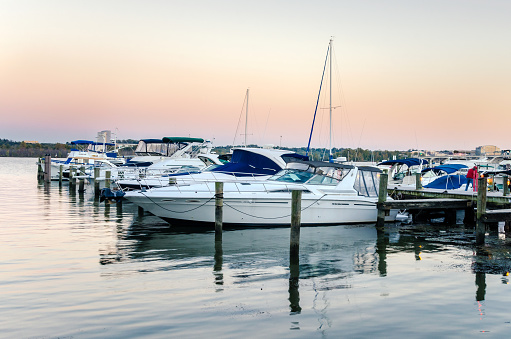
(481, 210)
(107, 179)
(418, 181)
(296, 215)
(506, 186)
(97, 189)
(47, 168)
(40, 170)
(61, 171)
(219, 204)
(81, 181)
(140, 211)
(72, 180)
(382, 197)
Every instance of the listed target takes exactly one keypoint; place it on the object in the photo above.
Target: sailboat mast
(246, 120)
(330, 158)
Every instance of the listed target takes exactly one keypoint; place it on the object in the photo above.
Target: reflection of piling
(219, 261)
(81, 181)
(506, 186)
(418, 181)
(219, 203)
(118, 203)
(382, 241)
(96, 182)
(294, 283)
(481, 210)
(481, 286)
(47, 168)
(382, 197)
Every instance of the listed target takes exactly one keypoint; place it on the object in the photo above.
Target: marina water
(72, 267)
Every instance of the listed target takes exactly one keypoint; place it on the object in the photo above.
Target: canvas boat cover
(246, 163)
(409, 162)
(448, 182)
(452, 168)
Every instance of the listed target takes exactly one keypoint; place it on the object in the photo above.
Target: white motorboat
(331, 194)
(402, 171)
(246, 164)
(85, 153)
(157, 157)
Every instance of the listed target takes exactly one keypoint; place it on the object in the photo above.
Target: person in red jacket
(471, 176)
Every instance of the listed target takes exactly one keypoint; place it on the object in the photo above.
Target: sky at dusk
(406, 73)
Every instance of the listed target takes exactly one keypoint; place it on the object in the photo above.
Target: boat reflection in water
(331, 257)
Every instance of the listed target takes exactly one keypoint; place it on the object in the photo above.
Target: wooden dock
(474, 204)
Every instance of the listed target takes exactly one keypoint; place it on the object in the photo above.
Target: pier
(475, 204)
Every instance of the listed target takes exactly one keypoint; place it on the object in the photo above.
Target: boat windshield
(158, 148)
(318, 176)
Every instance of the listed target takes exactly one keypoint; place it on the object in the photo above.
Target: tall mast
(330, 143)
(246, 120)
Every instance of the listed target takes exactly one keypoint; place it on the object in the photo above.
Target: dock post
(382, 197)
(107, 179)
(47, 168)
(418, 181)
(219, 204)
(140, 211)
(296, 210)
(96, 182)
(481, 210)
(506, 186)
(40, 171)
(81, 181)
(72, 180)
(61, 170)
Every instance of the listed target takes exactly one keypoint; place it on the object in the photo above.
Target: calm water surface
(73, 268)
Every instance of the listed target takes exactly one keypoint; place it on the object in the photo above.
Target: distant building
(487, 150)
(104, 136)
(30, 142)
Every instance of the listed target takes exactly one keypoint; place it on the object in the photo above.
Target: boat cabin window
(367, 183)
(207, 161)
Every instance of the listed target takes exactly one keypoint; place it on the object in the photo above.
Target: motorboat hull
(271, 209)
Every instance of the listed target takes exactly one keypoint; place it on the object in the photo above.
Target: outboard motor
(108, 194)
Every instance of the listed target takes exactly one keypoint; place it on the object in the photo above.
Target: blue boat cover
(449, 168)
(245, 163)
(102, 143)
(82, 142)
(448, 182)
(409, 162)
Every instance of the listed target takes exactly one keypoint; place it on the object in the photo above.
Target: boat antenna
(317, 102)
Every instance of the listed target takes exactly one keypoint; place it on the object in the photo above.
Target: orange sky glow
(407, 74)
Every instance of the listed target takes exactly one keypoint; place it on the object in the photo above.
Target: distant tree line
(9, 148)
